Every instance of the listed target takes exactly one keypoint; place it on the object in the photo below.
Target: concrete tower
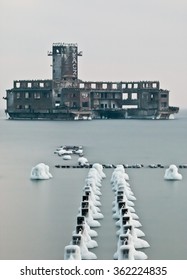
(64, 71)
(65, 62)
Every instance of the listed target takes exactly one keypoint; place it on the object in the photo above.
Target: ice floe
(66, 157)
(82, 161)
(40, 172)
(172, 173)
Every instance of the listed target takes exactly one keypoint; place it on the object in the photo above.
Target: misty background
(121, 40)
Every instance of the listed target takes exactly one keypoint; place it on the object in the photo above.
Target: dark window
(97, 94)
(164, 95)
(45, 95)
(57, 103)
(85, 104)
(23, 84)
(36, 95)
(18, 95)
(163, 104)
(35, 84)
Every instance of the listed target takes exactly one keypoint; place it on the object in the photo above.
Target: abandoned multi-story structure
(67, 97)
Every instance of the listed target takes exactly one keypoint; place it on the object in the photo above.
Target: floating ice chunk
(66, 157)
(40, 172)
(171, 117)
(79, 151)
(64, 152)
(82, 161)
(172, 173)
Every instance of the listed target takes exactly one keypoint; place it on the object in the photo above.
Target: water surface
(37, 217)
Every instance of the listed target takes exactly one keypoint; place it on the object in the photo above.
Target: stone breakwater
(129, 236)
(128, 232)
(87, 219)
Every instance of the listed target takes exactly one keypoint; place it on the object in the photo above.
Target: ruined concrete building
(67, 97)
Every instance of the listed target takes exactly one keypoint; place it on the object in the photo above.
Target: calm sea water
(37, 217)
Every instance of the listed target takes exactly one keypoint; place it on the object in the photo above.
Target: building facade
(65, 96)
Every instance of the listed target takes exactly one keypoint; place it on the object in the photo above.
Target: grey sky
(129, 40)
